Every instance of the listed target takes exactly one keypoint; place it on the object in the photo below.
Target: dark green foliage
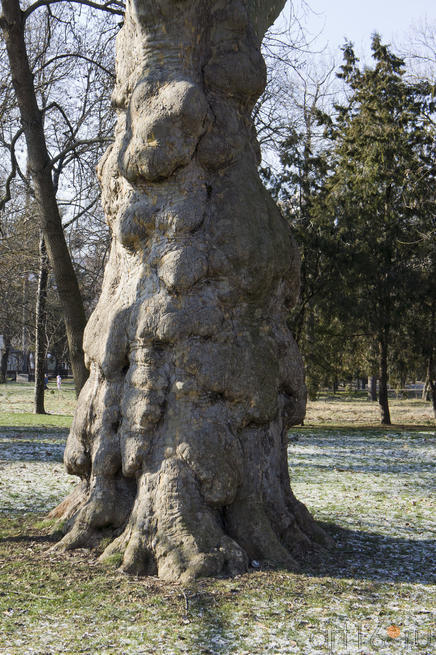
(363, 211)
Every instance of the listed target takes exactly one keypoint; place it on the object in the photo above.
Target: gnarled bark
(180, 435)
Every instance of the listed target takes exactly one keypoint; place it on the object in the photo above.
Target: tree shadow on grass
(32, 446)
(213, 633)
(376, 557)
(29, 538)
(329, 451)
(359, 555)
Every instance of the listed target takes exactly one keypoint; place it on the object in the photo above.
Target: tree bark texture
(13, 24)
(40, 329)
(180, 435)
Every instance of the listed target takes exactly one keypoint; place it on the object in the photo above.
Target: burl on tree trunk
(180, 435)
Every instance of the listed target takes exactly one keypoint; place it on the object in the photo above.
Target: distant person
(46, 381)
(59, 382)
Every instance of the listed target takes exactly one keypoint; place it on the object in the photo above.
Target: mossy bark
(180, 435)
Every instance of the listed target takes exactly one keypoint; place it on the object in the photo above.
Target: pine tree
(378, 194)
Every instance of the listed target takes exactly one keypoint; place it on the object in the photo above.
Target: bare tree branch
(61, 110)
(76, 144)
(80, 214)
(76, 56)
(13, 173)
(112, 7)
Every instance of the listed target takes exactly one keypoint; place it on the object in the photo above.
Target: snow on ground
(32, 475)
(373, 491)
(378, 488)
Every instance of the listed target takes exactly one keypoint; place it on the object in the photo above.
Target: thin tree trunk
(426, 390)
(383, 386)
(40, 338)
(12, 23)
(431, 368)
(433, 397)
(431, 383)
(4, 364)
(372, 388)
(24, 348)
(403, 382)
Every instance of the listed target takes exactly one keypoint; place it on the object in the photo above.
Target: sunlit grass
(360, 411)
(16, 406)
(348, 410)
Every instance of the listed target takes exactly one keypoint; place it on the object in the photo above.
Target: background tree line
(356, 180)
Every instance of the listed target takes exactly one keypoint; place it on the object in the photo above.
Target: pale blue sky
(338, 19)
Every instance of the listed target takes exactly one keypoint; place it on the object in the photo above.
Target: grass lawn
(16, 405)
(372, 489)
(356, 410)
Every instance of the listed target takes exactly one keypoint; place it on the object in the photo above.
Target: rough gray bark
(180, 435)
(12, 23)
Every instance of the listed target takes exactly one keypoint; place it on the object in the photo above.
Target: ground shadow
(30, 538)
(32, 445)
(358, 555)
(34, 430)
(371, 556)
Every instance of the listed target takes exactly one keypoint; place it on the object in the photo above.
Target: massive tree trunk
(12, 23)
(180, 435)
(40, 329)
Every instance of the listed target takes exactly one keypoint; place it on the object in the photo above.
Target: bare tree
(419, 52)
(44, 87)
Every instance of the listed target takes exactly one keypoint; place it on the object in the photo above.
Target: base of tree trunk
(186, 539)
